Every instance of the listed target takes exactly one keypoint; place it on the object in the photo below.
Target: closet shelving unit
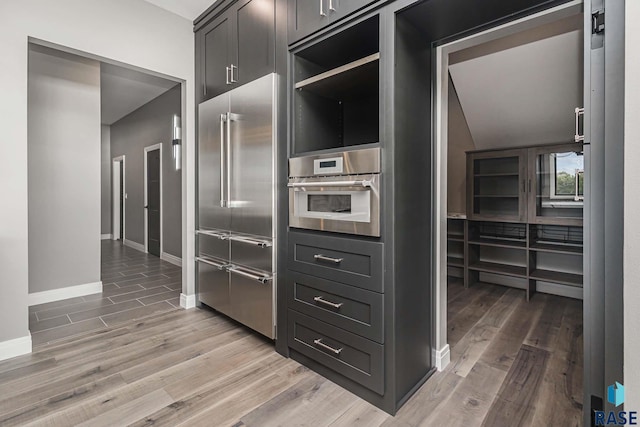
(529, 237)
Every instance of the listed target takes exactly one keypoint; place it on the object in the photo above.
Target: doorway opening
(153, 199)
(511, 203)
(119, 198)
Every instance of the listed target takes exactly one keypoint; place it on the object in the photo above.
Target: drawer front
(213, 287)
(252, 254)
(350, 355)
(346, 307)
(252, 304)
(349, 261)
(212, 246)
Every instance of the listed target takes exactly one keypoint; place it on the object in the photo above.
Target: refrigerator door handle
(223, 160)
(231, 117)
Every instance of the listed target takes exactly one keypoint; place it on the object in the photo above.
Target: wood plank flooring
(513, 363)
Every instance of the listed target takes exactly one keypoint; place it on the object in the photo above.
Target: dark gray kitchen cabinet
(215, 53)
(236, 47)
(308, 16)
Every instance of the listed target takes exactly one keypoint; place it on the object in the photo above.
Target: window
(567, 172)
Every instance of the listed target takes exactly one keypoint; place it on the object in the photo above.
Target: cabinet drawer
(350, 355)
(213, 245)
(347, 307)
(349, 261)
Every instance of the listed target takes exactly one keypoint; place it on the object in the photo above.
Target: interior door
(212, 167)
(153, 202)
(603, 208)
(254, 40)
(217, 56)
(252, 164)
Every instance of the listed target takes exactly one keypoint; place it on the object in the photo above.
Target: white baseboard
(106, 237)
(442, 357)
(134, 245)
(64, 293)
(15, 347)
(187, 301)
(171, 259)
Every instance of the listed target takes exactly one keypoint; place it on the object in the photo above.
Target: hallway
(135, 285)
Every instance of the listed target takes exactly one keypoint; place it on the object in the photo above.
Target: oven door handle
(361, 183)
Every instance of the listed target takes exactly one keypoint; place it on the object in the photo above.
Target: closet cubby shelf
(503, 269)
(559, 277)
(571, 249)
(499, 243)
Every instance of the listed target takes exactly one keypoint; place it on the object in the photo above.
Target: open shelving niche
(456, 246)
(336, 93)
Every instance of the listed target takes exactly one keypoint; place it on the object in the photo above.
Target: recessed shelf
(349, 79)
(455, 261)
(570, 279)
(455, 237)
(499, 243)
(493, 267)
(556, 248)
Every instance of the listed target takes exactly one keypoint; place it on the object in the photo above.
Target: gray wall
(150, 125)
(459, 141)
(105, 179)
(146, 37)
(64, 182)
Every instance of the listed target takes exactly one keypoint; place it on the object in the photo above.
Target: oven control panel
(328, 166)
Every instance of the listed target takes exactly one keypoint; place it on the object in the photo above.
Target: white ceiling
(189, 9)
(522, 95)
(123, 91)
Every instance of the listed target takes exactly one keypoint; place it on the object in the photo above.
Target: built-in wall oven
(337, 192)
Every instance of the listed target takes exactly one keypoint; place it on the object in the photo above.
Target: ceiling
(516, 94)
(124, 91)
(189, 9)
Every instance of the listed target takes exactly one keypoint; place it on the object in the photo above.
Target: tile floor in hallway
(135, 285)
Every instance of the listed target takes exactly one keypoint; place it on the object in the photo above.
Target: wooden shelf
(350, 79)
(569, 279)
(455, 237)
(495, 196)
(505, 269)
(556, 248)
(499, 243)
(455, 262)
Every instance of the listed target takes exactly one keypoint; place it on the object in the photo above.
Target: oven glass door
(339, 204)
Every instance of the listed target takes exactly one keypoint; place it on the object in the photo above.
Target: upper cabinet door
(308, 16)
(254, 40)
(216, 57)
(497, 185)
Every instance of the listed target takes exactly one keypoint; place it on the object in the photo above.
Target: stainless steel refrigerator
(236, 204)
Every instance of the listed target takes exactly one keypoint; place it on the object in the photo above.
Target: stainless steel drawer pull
(322, 12)
(219, 266)
(256, 277)
(321, 300)
(331, 7)
(319, 343)
(320, 257)
(221, 236)
(249, 240)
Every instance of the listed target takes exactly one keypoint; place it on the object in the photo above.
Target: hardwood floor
(513, 363)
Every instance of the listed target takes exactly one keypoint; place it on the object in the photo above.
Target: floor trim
(442, 357)
(15, 347)
(64, 293)
(187, 301)
(106, 237)
(172, 259)
(134, 245)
